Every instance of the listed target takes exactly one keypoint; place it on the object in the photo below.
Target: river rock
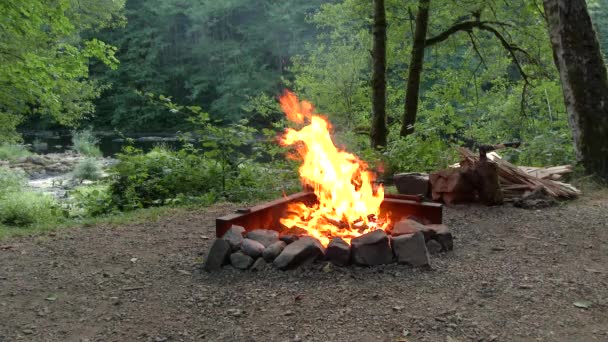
(271, 252)
(264, 236)
(304, 251)
(234, 236)
(434, 247)
(441, 233)
(371, 249)
(252, 248)
(338, 252)
(412, 183)
(259, 265)
(218, 255)
(406, 226)
(288, 238)
(240, 260)
(411, 249)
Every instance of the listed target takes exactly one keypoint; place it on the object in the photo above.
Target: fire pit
(344, 217)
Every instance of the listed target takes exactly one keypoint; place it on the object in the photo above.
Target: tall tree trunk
(584, 79)
(379, 130)
(415, 69)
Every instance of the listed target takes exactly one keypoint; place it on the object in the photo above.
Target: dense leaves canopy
(45, 62)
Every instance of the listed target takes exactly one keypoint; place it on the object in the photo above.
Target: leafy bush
(418, 153)
(11, 181)
(25, 208)
(85, 143)
(88, 169)
(144, 180)
(91, 201)
(165, 177)
(12, 152)
(550, 148)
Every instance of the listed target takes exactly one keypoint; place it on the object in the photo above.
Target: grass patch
(88, 169)
(26, 208)
(11, 181)
(12, 152)
(85, 143)
(117, 219)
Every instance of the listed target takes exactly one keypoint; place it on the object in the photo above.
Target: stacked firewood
(517, 181)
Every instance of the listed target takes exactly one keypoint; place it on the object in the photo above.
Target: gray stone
(434, 247)
(338, 252)
(264, 236)
(234, 236)
(411, 250)
(288, 238)
(406, 226)
(271, 252)
(240, 260)
(252, 248)
(412, 183)
(304, 251)
(371, 249)
(441, 233)
(218, 255)
(259, 265)
(36, 159)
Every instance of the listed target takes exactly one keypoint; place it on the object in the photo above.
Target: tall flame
(343, 186)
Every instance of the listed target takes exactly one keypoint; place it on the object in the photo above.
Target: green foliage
(418, 152)
(85, 143)
(8, 128)
(471, 93)
(217, 162)
(22, 207)
(88, 169)
(91, 201)
(45, 62)
(25, 208)
(152, 179)
(11, 181)
(12, 152)
(215, 53)
(599, 14)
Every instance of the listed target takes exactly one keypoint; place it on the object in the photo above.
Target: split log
(517, 181)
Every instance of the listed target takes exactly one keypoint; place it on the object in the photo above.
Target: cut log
(515, 181)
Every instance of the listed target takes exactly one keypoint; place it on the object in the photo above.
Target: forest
(402, 82)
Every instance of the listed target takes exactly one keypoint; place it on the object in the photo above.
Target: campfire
(348, 202)
(343, 216)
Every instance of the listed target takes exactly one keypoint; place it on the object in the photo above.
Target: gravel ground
(515, 275)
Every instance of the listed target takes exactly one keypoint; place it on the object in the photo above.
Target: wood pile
(517, 181)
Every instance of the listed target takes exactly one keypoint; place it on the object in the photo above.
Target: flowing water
(109, 144)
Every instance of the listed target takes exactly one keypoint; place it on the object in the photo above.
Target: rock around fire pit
(408, 242)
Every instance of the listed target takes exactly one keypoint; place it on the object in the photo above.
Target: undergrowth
(85, 143)
(13, 152)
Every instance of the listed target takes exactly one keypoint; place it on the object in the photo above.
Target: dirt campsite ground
(515, 275)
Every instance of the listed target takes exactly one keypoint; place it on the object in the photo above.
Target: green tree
(598, 10)
(216, 54)
(584, 80)
(472, 92)
(45, 62)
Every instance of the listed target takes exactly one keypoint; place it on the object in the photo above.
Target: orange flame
(341, 182)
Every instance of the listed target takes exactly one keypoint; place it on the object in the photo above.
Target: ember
(348, 203)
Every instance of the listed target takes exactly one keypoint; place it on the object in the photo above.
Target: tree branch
(511, 49)
(477, 49)
(468, 26)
